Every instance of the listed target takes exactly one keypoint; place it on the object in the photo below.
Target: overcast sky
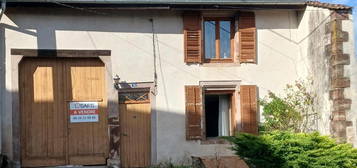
(352, 3)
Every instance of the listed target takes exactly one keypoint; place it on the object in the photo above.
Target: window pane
(225, 39)
(210, 37)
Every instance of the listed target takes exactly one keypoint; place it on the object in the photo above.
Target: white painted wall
(282, 53)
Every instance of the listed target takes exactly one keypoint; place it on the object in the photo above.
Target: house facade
(135, 83)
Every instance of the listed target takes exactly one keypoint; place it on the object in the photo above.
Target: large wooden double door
(47, 86)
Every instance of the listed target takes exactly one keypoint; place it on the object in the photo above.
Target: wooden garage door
(135, 129)
(47, 86)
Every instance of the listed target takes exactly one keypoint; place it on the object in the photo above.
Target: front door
(135, 129)
(47, 88)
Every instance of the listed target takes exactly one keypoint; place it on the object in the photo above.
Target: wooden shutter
(247, 37)
(192, 37)
(249, 108)
(193, 112)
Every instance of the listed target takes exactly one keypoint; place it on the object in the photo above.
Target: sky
(352, 3)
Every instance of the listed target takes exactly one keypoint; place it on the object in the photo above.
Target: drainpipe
(3, 8)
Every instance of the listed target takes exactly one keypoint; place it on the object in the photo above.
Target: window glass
(210, 39)
(225, 39)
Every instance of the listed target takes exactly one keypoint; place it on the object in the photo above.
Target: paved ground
(76, 166)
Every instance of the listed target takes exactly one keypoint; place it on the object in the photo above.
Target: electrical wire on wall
(154, 39)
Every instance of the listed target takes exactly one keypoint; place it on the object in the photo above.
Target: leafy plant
(279, 114)
(292, 112)
(280, 149)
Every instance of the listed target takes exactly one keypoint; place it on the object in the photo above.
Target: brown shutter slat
(192, 37)
(249, 108)
(247, 37)
(193, 112)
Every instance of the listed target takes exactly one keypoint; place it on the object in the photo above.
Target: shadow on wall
(4, 93)
(44, 137)
(35, 23)
(32, 22)
(44, 27)
(44, 115)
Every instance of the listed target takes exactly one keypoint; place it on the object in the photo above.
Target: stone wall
(339, 81)
(328, 48)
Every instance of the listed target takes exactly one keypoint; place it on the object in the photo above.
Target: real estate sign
(83, 112)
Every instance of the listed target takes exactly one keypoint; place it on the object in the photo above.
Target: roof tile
(328, 5)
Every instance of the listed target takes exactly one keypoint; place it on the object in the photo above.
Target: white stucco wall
(281, 60)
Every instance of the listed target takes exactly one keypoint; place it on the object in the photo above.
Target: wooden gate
(135, 129)
(47, 86)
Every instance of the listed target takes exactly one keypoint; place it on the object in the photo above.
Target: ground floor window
(217, 114)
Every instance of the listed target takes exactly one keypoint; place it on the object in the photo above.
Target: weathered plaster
(312, 42)
(328, 49)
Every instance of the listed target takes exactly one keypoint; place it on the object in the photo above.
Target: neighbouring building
(133, 83)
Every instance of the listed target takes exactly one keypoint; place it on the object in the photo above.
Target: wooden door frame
(232, 87)
(141, 90)
(232, 93)
(149, 87)
(111, 92)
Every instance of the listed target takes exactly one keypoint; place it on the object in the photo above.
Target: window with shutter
(247, 37)
(218, 39)
(210, 113)
(249, 108)
(192, 37)
(219, 113)
(193, 112)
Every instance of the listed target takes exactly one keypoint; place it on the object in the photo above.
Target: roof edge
(328, 5)
(301, 3)
(162, 2)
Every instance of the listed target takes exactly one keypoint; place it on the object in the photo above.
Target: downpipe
(3, 158)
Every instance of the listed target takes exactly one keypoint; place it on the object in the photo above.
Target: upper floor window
(218, 39)
(213, 39)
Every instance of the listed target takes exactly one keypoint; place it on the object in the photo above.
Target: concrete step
(76, 166)
(218, 162)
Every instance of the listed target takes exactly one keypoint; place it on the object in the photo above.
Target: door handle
(124, 134)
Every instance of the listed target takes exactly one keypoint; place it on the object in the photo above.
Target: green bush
(292, 111)
(293, 150)
(279, 114)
